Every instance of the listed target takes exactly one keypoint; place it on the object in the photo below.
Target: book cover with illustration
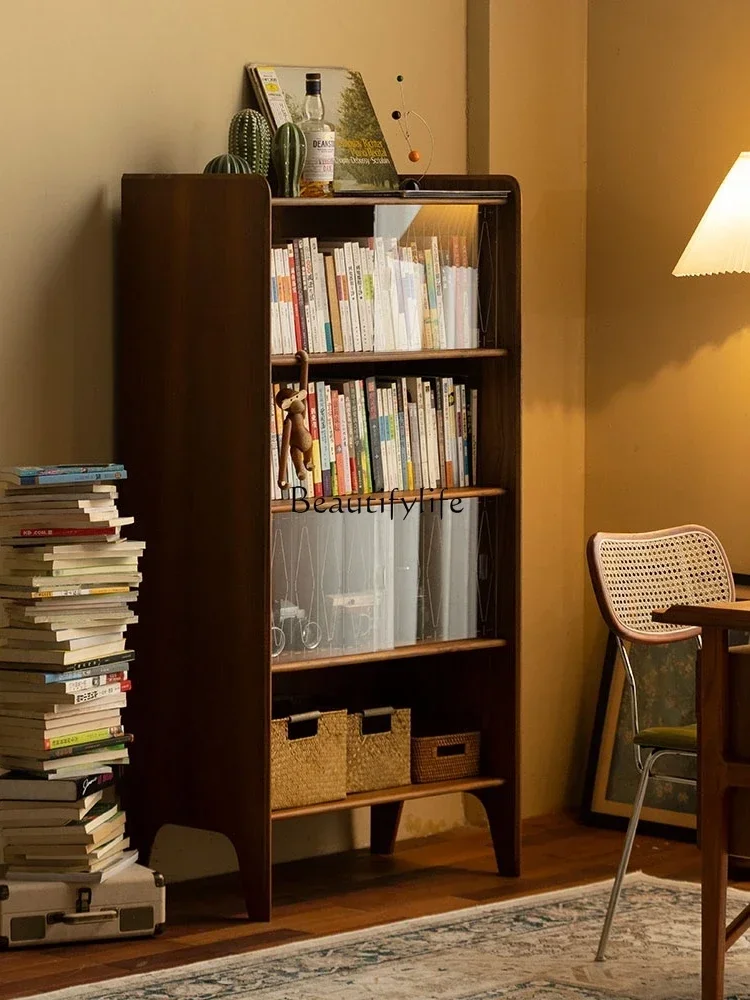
(363, 161)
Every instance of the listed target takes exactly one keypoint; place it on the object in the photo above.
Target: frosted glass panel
(347, 583)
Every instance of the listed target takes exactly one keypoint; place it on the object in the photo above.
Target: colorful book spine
(321, 412)
(337, 334)
(304, 303)
(317, 470)
(298, 339)
(350, 440)
(374, 426)
(77, 739)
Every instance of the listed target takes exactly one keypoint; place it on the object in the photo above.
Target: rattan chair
(632, 576)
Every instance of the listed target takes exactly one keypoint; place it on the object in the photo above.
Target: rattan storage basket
(308, 759)
(444, 758)
(378, 749)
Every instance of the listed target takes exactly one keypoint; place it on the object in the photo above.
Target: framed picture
(363, 160)
(665, 675)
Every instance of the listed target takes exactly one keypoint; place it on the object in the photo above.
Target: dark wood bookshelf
(389, 357)
(291, 662)
(383, 795)
(340, 201)
(428, 496)
(194, 370)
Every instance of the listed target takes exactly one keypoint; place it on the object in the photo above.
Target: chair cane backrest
(634, 574)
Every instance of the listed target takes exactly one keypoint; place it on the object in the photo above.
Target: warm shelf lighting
(721, 241)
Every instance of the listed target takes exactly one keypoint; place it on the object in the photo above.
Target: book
(59, 715)
(99, 872)
(62, 657)
(66, 766)
(54, 758)
(48, 474)
(19, 739)
(103, 823)
(39, 634)
(71, 831)
(362, 159)
(24, 788)
(70, 855)
(41, 813)
(82, 663)
(337, 332)
(8, 476)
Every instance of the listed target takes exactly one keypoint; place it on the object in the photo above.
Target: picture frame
(666, 677)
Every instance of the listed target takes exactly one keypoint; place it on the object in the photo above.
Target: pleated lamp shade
(721, 241)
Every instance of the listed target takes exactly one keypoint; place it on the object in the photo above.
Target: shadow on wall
(647, 320)
(56, 369)
(182, 853)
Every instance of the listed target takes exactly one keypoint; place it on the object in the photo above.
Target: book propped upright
(363, 161)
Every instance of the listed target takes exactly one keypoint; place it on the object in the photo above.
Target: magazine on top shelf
(363, 161)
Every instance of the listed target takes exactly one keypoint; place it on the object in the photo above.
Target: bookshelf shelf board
(454, 493)
(382, 795)
(498, 198)
(370, 357)
(294, 662)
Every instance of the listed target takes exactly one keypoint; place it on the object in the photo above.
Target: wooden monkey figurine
(296, 438)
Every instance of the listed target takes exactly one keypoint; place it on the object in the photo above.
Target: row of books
(68, 581)
(380, 434)
(373, 296)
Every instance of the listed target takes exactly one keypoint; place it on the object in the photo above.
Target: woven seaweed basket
(378, 751)
(444, 758)
(308, 759)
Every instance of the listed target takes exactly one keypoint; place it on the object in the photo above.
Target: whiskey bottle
(320, 136)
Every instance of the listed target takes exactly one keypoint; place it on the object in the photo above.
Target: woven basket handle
(298, 721)
(452, 750)
(367, 724)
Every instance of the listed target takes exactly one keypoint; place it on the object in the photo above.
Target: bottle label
(321, 148)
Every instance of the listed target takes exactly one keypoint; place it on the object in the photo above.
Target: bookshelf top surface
(421, 198)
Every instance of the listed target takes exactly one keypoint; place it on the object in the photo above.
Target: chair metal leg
(629, 839)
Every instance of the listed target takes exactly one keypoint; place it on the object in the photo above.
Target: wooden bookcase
(193, 374)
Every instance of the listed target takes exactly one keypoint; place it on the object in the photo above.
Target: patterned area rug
(534, 948)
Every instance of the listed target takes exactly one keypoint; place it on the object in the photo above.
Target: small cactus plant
(288, 151)
(227, 164)
(250, 138)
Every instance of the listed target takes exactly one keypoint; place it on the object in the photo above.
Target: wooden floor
(347, 892)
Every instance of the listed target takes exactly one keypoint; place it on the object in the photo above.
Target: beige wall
(528, 118)
(667, 359)
(92, 90)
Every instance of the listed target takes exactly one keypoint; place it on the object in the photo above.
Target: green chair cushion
(669, 738)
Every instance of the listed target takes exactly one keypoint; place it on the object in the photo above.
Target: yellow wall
(527, 89)
(667, 359)
(92, 90)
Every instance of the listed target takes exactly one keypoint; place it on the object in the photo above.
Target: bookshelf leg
(384, 820)
(501, 808)
(255, 874)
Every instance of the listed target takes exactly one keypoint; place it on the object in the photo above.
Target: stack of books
(381, 434)
(376, 295)
(67, 583)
